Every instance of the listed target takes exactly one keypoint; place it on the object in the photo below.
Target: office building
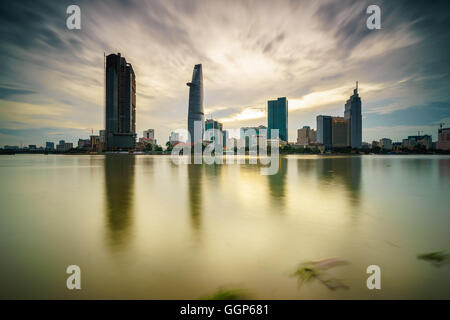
(277, 117)
(50, 145)
(339, 132)
(252, 132)
(213, 124)
(120, 131)
(353, 115)
(323, 134)
(84, 143)
(195, 111)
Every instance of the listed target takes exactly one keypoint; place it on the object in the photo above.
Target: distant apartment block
(306, 136)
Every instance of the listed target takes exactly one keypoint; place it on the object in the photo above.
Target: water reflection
(195, 194)
(277, 183)
(119, 189)
(345, 171)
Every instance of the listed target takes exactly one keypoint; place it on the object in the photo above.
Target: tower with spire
(353, 115)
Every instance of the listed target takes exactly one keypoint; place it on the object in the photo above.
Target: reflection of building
(353, 115)
(120, 103)
(386, 144)
(195, 112)
(345, 171)
(277, 183)
(414, 141)
(339, 132)
(443, 142)
(306, 136)
(195, 193)
(323, 135)
(119, 185)
(277, 117)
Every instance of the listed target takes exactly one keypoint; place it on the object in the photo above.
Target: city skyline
(54, 90)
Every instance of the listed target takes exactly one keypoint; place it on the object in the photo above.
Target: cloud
(251, 51)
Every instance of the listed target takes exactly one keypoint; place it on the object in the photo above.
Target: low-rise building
(443, 142)
(385, 144)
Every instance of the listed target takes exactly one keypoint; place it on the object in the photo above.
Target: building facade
(277, 117)
(443, 142)
(50, 145)
(352, 113)
(339, 132)
(196, 111)
(323, 134)
(120, 130)
(253, 133)
(385, 144)
(417, 141)
(306, 136)
(149, 134)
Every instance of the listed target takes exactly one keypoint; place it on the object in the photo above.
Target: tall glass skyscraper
(277, 117)
(120, 86)
(353, 115)
(196, 112)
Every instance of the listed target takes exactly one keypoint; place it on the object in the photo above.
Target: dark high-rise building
(323, 135)
(195, 112)
(120, 130)
(353, 115)
(277, 117)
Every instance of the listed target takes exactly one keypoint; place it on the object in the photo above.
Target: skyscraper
(353, 115)
(323, 135)
(277, 117)
(195, 112)
(120, 103)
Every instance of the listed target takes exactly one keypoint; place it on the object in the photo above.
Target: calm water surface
(142, 227)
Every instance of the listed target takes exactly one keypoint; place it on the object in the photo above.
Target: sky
(312, 52)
